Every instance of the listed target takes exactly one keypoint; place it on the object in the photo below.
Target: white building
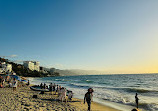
(32, 65)
(5, 67)
(36, 65)
(8, 68)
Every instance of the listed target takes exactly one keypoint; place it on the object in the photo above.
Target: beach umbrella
(16, 77)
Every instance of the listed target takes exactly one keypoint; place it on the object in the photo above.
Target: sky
(114, 36)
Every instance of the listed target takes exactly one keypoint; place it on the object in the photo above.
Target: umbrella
(16, 77)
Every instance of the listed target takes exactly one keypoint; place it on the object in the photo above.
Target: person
(134, 110)
(28, 83)
(41, 85)
(54, 87)
(59, 92)
(88, 98)
(136, 99)
(15, 83)
(50, 87)
(57, 88)
(44, 86)
(10, 84)
(70, 94)
(63, 94)
(1, 79)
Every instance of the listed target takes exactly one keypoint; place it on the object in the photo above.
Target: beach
(22, 100)
(116, 91)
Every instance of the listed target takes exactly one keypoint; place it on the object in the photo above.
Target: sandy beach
(22, 100)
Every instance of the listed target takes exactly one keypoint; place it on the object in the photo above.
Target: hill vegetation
(20, 70)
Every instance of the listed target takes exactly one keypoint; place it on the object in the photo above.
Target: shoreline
(113, 105)
(23, 100)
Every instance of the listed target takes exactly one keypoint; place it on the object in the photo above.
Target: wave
(138, 90)
(78, 85)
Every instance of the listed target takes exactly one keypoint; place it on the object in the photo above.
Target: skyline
(111, 36)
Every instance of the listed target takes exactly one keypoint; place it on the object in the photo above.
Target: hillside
(71, 72)
(22, 71)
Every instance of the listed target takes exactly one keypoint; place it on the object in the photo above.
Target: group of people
(7, 81)
(63, 93)
(11, 82)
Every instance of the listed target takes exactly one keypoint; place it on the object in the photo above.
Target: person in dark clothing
(41, 85)
(50, 87)
(44, 86)
(136, 99)
(88, 98)
(54, 87)
(135, 110)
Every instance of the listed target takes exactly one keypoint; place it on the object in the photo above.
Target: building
(4, 67)
(8, 68)
(36, 65)
(32, 65)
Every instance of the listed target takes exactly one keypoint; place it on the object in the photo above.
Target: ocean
(117, 91)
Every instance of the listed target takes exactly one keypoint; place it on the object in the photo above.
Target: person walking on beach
(88, 98)
(136, 99)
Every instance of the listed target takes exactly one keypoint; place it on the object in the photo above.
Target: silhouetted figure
(41, 85)
(136, 99)
(50, 87)
(88, 97)
(44, 86)
(135, 110)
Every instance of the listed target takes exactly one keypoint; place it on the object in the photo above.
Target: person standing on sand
(54, 87)
(41, 85)
(88, 98)
(28, 83)
(136, 99)
(57, 88)
(50, 88)
(44, 86)
(15, 83)
(70, 94)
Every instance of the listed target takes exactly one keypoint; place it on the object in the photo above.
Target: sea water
(117, 91)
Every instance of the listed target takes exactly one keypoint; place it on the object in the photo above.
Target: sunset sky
(114, 36)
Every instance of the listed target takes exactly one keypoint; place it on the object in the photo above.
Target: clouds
(12, 56)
